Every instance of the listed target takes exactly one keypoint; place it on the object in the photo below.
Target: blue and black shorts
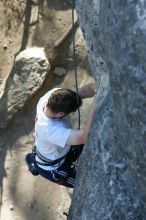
(65, 174)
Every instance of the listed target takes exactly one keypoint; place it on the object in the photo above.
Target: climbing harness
(46, 162)
(31, 161)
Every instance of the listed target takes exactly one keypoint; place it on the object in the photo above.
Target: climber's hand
(87, 91)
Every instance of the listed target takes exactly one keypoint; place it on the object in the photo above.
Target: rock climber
(57, 145)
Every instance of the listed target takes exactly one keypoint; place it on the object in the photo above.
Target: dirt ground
(23, 196)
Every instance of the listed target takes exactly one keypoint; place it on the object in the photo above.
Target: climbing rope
(74, 58)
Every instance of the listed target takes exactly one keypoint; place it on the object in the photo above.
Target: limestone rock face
(111, 180)
(28, 73)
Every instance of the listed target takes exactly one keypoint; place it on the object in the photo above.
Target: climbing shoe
(29, 159)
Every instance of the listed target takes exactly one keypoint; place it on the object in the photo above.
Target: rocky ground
(23, 196)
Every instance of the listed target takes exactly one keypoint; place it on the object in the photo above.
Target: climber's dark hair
(64, 100)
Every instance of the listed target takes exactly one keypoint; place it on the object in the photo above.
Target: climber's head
(63, 101)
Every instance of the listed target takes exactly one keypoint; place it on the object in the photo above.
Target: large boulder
(29, 71)
(111, 180)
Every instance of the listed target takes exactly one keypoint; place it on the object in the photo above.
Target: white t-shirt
(51, 134)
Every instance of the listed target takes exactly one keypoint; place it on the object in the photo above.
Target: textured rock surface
(28, 73)
(111, 175)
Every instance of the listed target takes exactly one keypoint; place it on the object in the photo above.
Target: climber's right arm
(79, 136)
